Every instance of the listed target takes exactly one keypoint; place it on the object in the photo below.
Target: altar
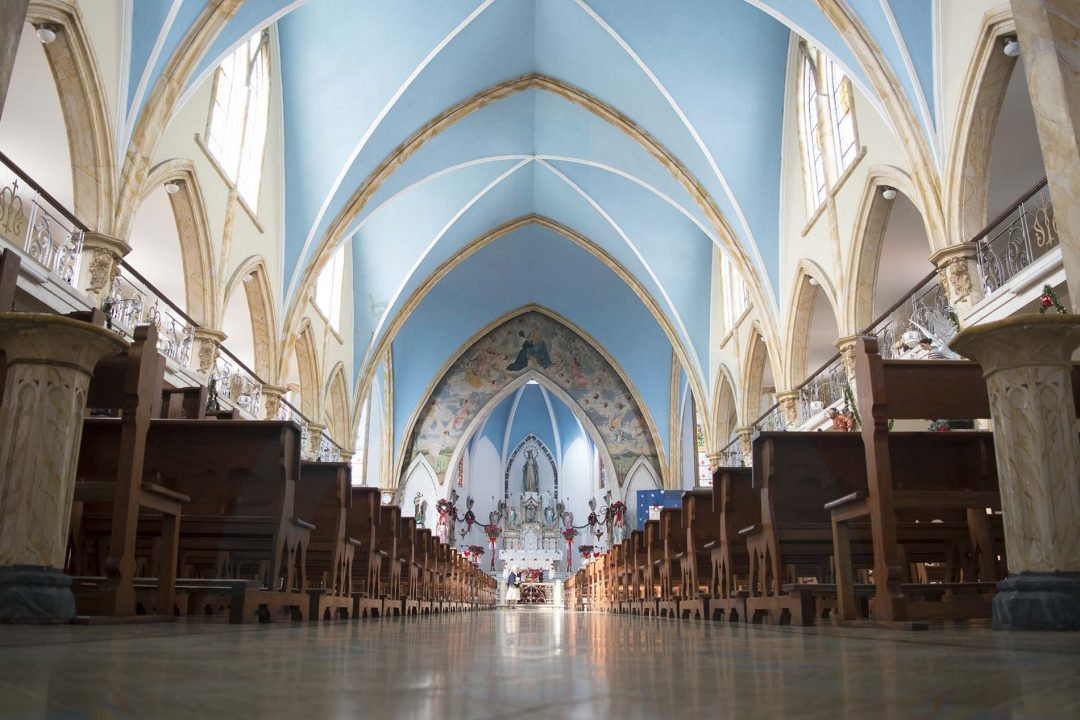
(533, 536)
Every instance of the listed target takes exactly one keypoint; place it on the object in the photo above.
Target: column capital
(205, 343)
(272, 395)
(957, 265)
(100, 263)
(789, 405)
(315, 431)
(846, 346)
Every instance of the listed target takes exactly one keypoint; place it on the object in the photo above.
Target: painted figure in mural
(578, 374)
(530, 473)
(419, 509)
(533, 346)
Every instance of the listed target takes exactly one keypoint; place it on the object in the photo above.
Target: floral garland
(569, 534)
(492, 531)
(443, 506)
(1048, 300)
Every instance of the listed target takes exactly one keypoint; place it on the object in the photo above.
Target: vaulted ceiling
(632, 134)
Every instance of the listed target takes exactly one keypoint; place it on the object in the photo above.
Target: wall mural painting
(532, 341)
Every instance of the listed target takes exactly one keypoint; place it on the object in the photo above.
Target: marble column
(205, 353)
(957, 267)
(49, 362)
(101, 256)
(1049, 34)
(272, 395)
(1026, 362)
(11, 26)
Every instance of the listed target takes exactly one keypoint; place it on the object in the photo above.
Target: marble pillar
(957, 267)
(11, 26)
(1026, 362)
(49, 362)
(1049, 34)
(205, 353)
(272, 395)
(101, 256)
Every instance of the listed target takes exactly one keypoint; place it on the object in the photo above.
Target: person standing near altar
(513, 592)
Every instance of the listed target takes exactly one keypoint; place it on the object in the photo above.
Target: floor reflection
(533, 663)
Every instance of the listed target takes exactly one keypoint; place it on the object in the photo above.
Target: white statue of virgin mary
(530, 473)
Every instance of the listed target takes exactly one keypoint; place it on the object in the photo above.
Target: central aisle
(531, 664)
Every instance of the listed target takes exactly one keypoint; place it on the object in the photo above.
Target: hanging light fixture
(1012, 46)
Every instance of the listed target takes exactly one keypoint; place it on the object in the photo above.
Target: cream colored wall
(960, 24)
(104, 22)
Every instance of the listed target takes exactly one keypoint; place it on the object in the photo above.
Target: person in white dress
(513, 592)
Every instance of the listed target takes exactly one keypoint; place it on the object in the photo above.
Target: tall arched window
(816, 187)
(735, 294)
(328, 288)
(830, 140)
(236, 129)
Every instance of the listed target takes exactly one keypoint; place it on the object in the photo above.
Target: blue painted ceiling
(704, 78)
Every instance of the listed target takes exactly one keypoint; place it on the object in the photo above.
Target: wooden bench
(406, 560)
(795, 475)
(673, 542)
(650, 569)
(361, 527)
(701, 525)
(323, 497)
(922, 477)
(241, 523)
(128, 383)
(738, 505)
(389, 587)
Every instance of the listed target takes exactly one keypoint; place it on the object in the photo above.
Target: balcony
(1016, 239)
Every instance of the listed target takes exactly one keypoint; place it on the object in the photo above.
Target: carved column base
(34, 594)
(1038, 601)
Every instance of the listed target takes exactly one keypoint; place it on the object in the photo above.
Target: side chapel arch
(811, 283)
(255, 279)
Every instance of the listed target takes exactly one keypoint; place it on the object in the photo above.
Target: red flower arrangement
(493, 532)
(443, 506)
(569, 534)
(477, 550)
(586, 550)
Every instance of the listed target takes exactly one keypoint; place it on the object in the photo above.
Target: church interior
(539, 358)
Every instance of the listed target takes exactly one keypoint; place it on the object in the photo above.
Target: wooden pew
(129, 383)
(361, 527)
(635, 559)
(389, 587)
(926, 475)
(409, 573)
(738, 506)
(650, 570)
(701, 525)
(323, 498)
(241, 521)
(673, 541)
(795, 475)
(186, 403)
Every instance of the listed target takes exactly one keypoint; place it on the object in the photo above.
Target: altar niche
(529, 455)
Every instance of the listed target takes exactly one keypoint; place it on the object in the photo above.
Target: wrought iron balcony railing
(32, 219)
(772, 420)
(238, 383)
(132, 301)
(1016, 238)
(822, 389)
(732, 454)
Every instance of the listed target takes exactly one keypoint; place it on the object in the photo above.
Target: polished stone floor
(533, 664)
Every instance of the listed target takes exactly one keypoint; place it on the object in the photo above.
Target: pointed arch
(476, 425)
(307, 366)
(514, 453)
(725, 408)
(868, 241)
(83, 102)
(810, 283)
(336, 406)
(419, 476)
(757, 282)
(368, 368)
(967, 180)
(193, 229)
(757, 355)
(253, 275)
